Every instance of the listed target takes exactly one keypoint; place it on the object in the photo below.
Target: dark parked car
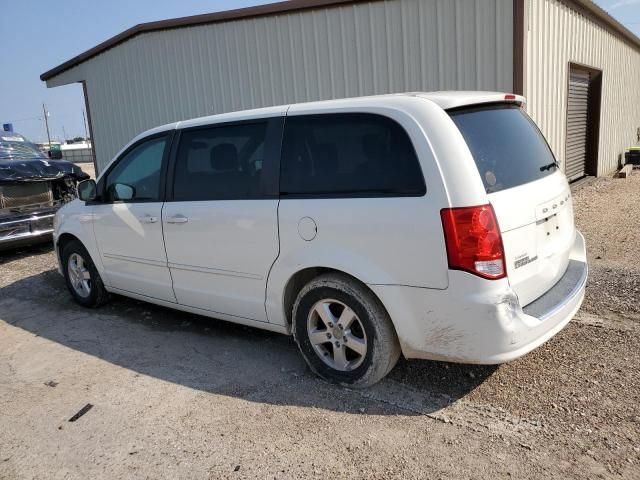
(32, 188)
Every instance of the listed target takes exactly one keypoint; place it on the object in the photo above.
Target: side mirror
(87, 190)
(55, 154)
(122, 192)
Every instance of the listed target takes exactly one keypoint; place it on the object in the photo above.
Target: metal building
(578, 67)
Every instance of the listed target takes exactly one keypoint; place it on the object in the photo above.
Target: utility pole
(46, 122)
(86, 133)
(64, 132)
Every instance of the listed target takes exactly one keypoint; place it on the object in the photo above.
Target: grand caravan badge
(524, 259)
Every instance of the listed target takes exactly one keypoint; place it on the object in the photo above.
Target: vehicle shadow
(219, 357)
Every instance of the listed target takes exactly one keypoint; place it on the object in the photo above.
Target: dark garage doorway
(583, 121)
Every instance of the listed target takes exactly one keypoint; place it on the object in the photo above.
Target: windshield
(506, 145)
(17, 148)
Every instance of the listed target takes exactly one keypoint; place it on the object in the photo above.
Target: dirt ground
(88, 168)
(179, 396)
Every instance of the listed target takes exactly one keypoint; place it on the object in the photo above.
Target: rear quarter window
(508, 148)
(348, 155)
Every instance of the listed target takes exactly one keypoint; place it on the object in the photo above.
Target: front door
(221, 225)
(128, 225)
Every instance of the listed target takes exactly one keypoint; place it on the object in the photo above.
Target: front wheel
(81, 276)
(344, 332)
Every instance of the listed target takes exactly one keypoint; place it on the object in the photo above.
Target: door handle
(178, 219)
(149, 219)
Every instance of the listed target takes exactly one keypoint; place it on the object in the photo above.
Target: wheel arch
(302, 277)
(67, 237)
(63, 240)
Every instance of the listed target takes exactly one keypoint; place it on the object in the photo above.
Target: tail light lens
(473, 240)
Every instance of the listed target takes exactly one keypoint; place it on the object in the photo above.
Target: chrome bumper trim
(25, 228)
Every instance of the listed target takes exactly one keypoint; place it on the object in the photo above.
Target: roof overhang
(194, 20)
(586, 7)
(601, 16)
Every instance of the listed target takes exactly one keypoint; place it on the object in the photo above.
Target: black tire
(375, 327)
(97, 294)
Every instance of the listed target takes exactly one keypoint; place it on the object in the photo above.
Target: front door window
(136, 177)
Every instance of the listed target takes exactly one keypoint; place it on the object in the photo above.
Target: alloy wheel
(79, 275)
(337, 335)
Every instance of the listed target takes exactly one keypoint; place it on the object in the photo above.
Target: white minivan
(436, 225)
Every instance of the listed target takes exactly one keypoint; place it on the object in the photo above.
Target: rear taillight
(473, 239)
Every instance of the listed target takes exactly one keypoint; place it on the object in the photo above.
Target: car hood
(38, 170)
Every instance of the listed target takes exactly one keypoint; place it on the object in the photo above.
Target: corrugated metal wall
(559, 35)
(351, 50)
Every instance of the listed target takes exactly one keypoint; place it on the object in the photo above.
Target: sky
(38, 35)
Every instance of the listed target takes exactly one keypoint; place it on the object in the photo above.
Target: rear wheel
(81, 276)
(344, 332)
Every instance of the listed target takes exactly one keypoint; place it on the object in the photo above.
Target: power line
(26, 119)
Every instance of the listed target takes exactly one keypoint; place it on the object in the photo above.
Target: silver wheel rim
(79, 275)
(337, 335)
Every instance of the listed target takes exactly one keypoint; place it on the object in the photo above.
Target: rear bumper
(476, 321)
(25, 229)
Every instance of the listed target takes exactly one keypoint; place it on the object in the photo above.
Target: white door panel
(129, 236)
(221, 252)
(127, 225)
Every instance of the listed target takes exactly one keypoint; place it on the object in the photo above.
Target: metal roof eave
(586, 7)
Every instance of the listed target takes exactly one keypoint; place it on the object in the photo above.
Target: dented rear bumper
(480, 321)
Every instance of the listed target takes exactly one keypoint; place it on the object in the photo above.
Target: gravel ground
(179, 396)
(608, 214)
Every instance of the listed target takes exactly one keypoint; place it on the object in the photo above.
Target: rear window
(348, 155)
(506, 145)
